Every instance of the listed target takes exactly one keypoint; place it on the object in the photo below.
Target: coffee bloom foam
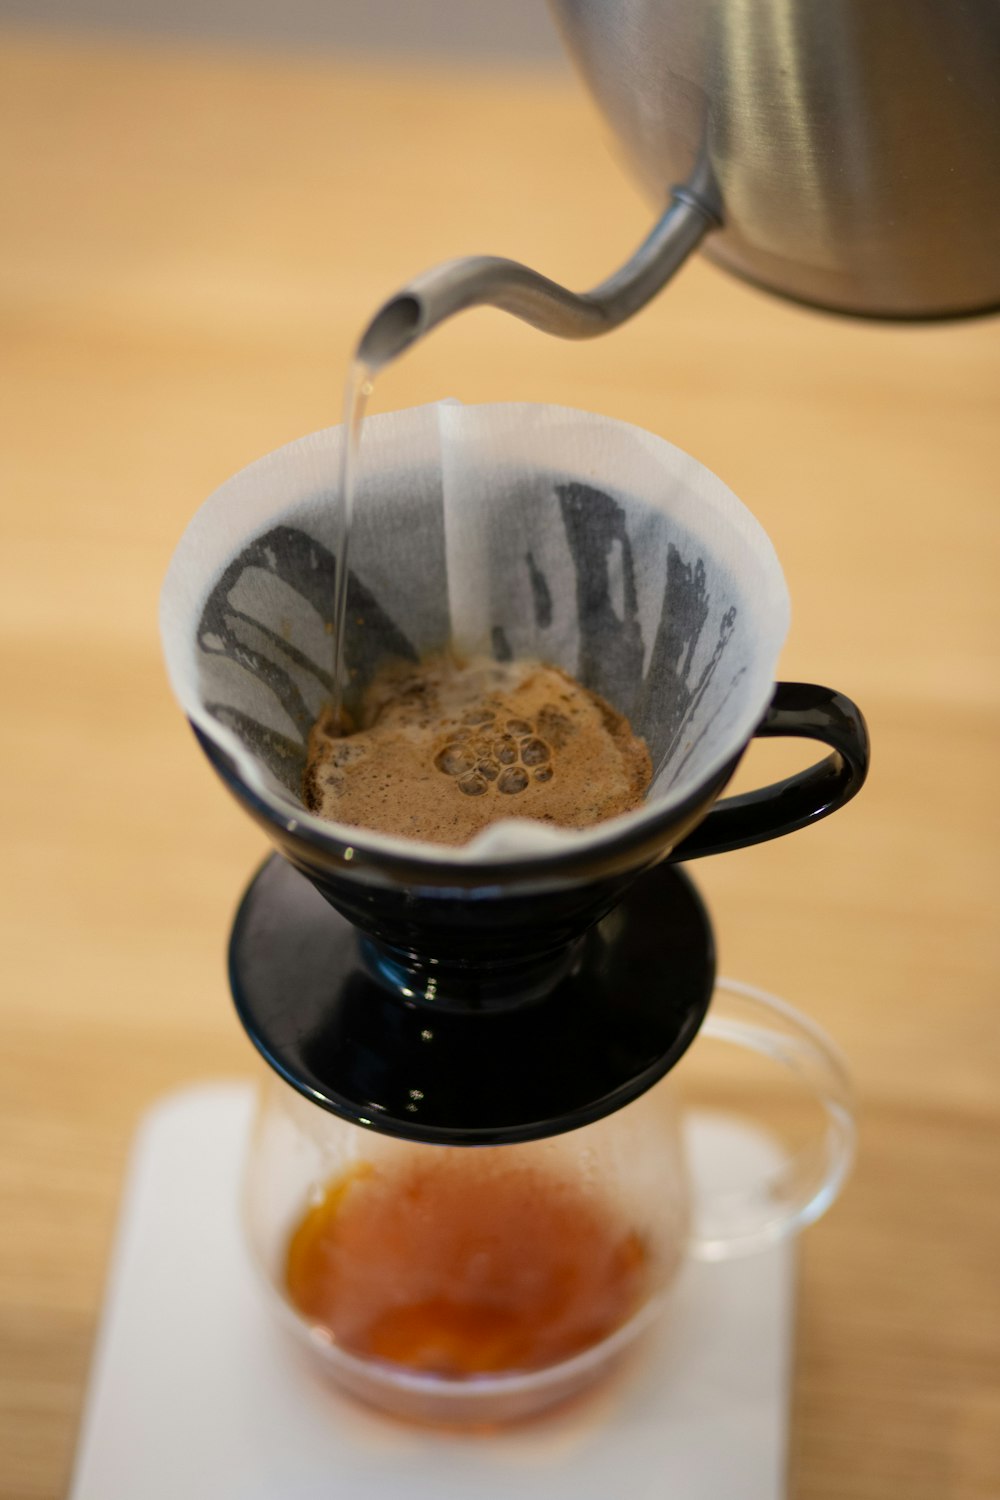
(452, 747)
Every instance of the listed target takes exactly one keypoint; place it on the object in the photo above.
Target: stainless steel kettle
(853, 145)
(844, 153)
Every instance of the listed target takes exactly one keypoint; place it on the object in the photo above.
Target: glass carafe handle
(797, 1189)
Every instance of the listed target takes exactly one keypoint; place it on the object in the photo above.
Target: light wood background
(190, 244)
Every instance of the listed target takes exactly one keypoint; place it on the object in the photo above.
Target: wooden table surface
(190, 244)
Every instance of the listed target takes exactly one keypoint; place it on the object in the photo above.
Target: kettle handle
(798, 710)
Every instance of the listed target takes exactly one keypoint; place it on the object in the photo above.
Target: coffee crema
(447, 748)
(451, 1270)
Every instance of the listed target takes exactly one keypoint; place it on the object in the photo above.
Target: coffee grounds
(448, 748)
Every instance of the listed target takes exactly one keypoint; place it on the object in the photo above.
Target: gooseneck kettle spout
(490, 280)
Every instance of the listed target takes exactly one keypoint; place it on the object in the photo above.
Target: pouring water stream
(487, 280)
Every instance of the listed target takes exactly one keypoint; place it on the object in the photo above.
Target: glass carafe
(481, 1284)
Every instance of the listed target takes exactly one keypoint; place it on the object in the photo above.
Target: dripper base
(615, 1023)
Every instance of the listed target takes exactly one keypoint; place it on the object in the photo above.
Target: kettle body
(852, 147)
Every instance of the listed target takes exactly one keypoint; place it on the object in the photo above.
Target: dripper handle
(798, 710)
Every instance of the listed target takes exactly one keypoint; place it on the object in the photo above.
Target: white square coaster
(197, 1391)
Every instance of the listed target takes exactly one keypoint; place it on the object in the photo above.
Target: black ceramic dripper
(529, 981)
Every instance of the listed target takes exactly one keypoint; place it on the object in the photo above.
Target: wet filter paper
(514, 531)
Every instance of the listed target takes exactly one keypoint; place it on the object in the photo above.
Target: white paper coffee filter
(514, 530)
